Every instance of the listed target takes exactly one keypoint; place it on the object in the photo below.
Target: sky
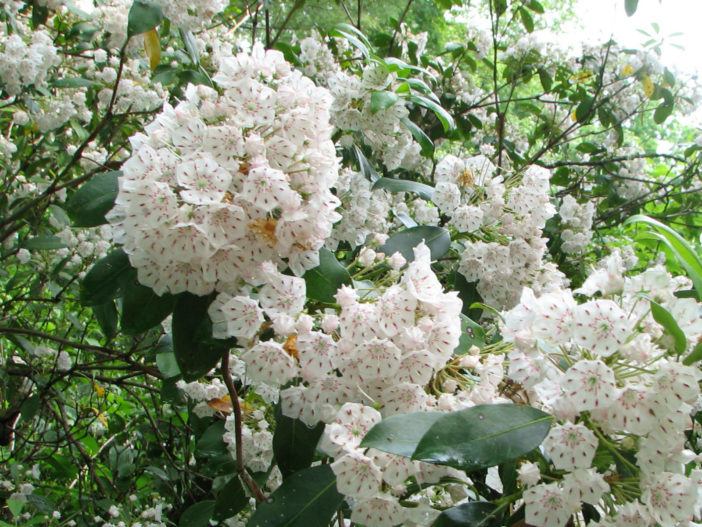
(608, 18)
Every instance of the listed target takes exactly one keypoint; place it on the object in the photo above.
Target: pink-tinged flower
(416, 367)
(357, 476)
(570, 446)
(203, 180)
(352, 423)
(238, 316)
(630, 412)
(585, 484)
(268, 362)
(377, 359)
(670, 498)
(283, 294)
(265, 187)
(380, 511)
(403, 398)
(316, 351)
(589, 385)
(601, 327)
(396, 310)
(549, 506)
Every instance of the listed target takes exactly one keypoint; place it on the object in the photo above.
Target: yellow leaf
(99, 390)
(223, 404)
(100, 416)
(648, 86)
(152, 46)
(581, 75)
(628, 70)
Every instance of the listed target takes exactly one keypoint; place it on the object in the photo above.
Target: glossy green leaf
(536, 7)
(167, 364)
(685, 254)
(382, 100)
(195, 349)
(47, 243)
(106, 316)
(584, 110)
(423, 139)
(471, 514)
(527, 20)
(106, 279)
(630, 6)
(694, 356)
(142, 17)
(294, 443)
(436, 238)
(483, 436)
(308, 498)
(231, 500)
(665, 319)
(143, 309)
(210, 443)
(400, 434)
(197, 515)
(404, 185)
(89, 204)
(446, 120)
(323, 281)
(364, 165)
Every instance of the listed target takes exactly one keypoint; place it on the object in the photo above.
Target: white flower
(600, 326)
(670, 498)
(268, 362)
(589, 385)
(528, 474)
(570, 446)
(357, 476)
(548, 505)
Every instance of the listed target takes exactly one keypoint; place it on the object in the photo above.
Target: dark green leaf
(471, 514)
(167, 364)
(423, 139)
(231, 500)
(306, 499)
(584, 110)
(195, 349)
(143, 309)
(40, 13)
(446, 120)
(381, 100)
(630, 6)
(43, 243)
(323, 281)
(662, 112)
(142, 17)
(694, 356)
(527, 21)
(400, 434)
(536, 7)
(483, 436)
(210, 443)
(197, 515)
(89, 204)
(294, 443)
(472, 334)
(436, 238)
(106, 315)
(106, 279)
(405, 185)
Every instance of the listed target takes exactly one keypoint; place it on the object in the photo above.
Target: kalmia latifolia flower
(219, 184)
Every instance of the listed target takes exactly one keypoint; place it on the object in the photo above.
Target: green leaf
(364, 165)
(74, 82)
(195, 349)
(536, 7)
(437, 239)
(197, 515)
(662, 112)
(381, 100)
(694, 356)
(43, 243)
(143, 309)
(106, 315)
(665, 319)
(584, 109)
(685, 254)
(446, 120)
(167, 364)
(106, 279)
(483, 436)
(471, 514)
(527, 21)
(294, 443)
(354, 36)
(210, 443)
(400, 434)
(472, 334)
(323, 281)
(423, 139)
(190, 46)
(142, 17)
(404, 185)
(308, 498)
(630, 7)
(231, 500)
(89, 204)
(546, 79)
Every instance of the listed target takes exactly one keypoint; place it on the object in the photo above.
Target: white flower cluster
(256, 439)
(512, 214)
(221, 183)
(23, 64)
(190, 15)
(599, 368)
(576, 220)
(383, 351)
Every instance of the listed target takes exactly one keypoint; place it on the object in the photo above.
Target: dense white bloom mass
(221, 183)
